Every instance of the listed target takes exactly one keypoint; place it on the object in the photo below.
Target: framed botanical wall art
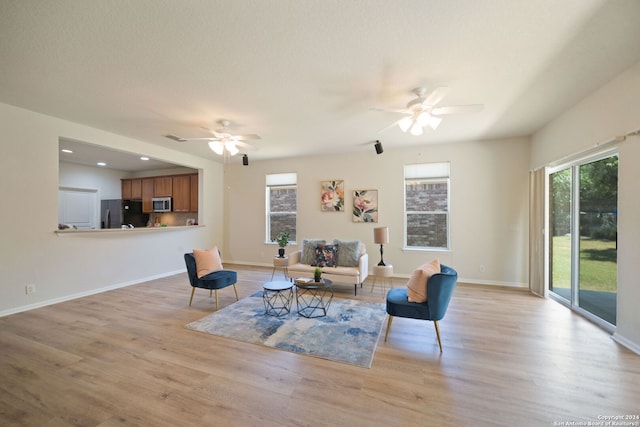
(332, 198)
(365, 206)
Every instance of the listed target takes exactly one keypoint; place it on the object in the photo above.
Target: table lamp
(381, 236)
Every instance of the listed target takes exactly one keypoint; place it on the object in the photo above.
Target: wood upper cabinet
(132, 189)
(163, 186)
(181, 193)
(136, 189)
(184, 187)
(194, 193)
(126, 189)
(147, 194)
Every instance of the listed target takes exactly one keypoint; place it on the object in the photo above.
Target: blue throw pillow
(326, 255)
(309, 250)
(348, 252)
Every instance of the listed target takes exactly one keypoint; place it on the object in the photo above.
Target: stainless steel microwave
(161, 204)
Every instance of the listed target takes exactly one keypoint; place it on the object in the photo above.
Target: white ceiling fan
(222, 140)
(423, 111)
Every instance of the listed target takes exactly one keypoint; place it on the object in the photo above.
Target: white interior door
(78, 207)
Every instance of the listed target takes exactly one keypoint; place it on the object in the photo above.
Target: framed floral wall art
(332, 199)
(365, 206)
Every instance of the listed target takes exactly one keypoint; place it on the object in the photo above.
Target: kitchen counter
(128, 230)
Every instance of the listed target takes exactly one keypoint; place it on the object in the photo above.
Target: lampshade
(423, 118)
(216, 147)
(416, 129)
(231, 148)
(434, 122)
(381, 235)
(405, 123)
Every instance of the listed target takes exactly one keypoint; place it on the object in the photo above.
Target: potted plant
(317, 274)
(283, 240)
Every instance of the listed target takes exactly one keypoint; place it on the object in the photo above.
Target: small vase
(280, 252)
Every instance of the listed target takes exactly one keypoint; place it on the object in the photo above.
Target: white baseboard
(86, 293)
(626, 343)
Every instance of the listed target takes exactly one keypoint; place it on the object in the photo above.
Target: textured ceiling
(303, 74)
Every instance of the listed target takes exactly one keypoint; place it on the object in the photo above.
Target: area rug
(349, 333)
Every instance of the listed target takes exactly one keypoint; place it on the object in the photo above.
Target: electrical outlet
(30, 289)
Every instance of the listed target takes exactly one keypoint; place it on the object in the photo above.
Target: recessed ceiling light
(144, 158)
(65, 150)
(102, 164)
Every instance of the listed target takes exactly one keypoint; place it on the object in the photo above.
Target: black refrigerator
(115, 213)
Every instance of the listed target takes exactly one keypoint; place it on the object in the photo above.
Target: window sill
(414, 249)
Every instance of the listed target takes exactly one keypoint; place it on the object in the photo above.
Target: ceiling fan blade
(175, 138)
(207, 138)
(245, 145)
(457, 109)
(390, 110)
(246, 137)
(390, 126)
(436, 96)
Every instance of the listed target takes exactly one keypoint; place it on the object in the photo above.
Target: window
(426, 205)
(281, 205)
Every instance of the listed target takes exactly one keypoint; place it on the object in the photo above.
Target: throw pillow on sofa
(417, 285)
(348, 252)
(326, 255)
(309, 250)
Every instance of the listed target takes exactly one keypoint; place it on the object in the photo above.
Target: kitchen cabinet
(163, 186)
(147, 194)
(181, 193)
(184, 188)
(194, 193)
(136, 189)
(132, 189)
(126, 189)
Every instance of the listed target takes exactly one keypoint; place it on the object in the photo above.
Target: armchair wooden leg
(192, 291)
(236, 291)
(386, 334)
(435, 323)
(216, 300)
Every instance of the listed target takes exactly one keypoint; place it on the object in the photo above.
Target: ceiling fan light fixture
(423, 118)
(216, 147)
(434, 122)
(405, 123)
(231, 148)
(416, 129)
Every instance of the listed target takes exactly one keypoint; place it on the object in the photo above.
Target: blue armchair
(439, 290)
(212, 281)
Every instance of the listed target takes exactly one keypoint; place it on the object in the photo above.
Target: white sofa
(353, 268)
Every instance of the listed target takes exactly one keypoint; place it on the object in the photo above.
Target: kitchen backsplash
(173, 219)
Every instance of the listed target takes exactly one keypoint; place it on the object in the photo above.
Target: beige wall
(489, 206)
(62, 267)
(610, 111)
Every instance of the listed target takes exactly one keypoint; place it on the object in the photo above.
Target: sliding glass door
(583, 236)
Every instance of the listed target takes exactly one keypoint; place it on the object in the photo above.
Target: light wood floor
(124, 358)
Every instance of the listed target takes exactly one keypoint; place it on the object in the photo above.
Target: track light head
(378, 146)
(245, 160)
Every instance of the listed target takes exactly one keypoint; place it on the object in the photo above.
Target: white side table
(282, 263)
(385, 274)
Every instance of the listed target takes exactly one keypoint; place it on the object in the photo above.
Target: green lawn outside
(597, 264)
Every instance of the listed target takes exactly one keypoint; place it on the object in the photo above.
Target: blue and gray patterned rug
(349, 333)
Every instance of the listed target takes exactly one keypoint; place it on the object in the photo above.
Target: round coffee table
(277, 297)
(313, 298)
